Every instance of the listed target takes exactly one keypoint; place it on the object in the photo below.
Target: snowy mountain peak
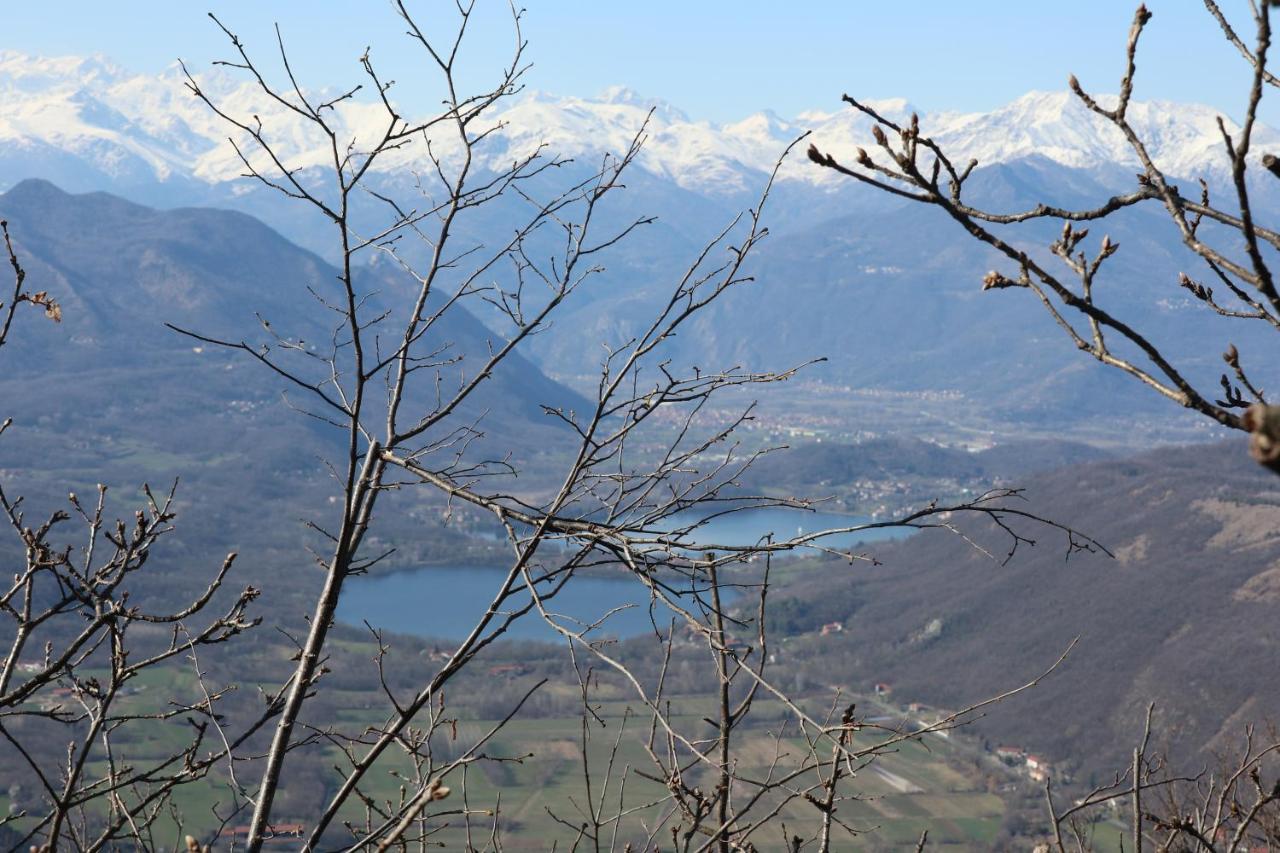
(34, 74)
(68, 117)
(625, 95)
(622, 100)
(1183, 139)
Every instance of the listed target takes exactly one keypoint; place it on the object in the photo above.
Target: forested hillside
(114, 395)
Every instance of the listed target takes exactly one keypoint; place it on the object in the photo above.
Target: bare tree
(78, 629)
(713, 796)
(384, 384)
(633, 496)
(914, 167)
(1232, 806)
(1233, 809)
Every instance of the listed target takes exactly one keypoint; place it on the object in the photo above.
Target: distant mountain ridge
(888, 291)
(110, 395)
(123, 271)
(88, 118)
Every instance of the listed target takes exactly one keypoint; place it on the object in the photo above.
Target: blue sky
(714, 59)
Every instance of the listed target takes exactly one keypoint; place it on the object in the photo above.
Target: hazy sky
(714, 59)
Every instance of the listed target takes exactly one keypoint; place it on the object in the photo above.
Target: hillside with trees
(1180, 616)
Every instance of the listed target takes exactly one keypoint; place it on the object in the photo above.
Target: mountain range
(87, 119)
(887, 291)
(112, 395)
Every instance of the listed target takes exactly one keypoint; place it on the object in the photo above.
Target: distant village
(937, 721)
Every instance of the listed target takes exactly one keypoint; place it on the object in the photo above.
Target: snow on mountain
(1184, 139)
(64, 106)
(89, 116)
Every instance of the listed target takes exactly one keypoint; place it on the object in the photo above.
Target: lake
(443, 601)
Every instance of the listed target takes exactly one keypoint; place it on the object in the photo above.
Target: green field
(534, 780)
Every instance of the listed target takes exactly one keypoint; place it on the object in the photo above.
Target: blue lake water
(445, 601)
(749, 526)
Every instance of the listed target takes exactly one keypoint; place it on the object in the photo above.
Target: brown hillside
(1185, 615)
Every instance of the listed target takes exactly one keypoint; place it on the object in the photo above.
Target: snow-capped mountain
(849, 274)
(89, 123)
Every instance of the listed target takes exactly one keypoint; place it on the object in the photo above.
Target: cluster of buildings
(1035, 767)
(918, 715)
